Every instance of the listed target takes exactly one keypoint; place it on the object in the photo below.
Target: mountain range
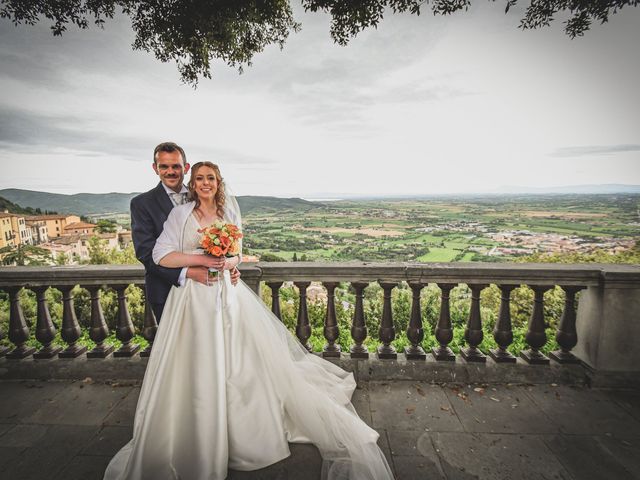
(22, 201)
(16, 200)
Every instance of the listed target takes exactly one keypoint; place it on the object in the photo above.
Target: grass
(439, 255)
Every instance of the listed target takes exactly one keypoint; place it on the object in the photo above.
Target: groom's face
(171, 169)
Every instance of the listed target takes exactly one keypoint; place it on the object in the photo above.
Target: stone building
(55, 223)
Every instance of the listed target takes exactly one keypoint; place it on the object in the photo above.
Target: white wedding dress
(228, 386)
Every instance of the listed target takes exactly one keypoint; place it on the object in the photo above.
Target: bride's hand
(231, 263)
(213, 262)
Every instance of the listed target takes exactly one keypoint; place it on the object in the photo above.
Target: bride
(227, 385)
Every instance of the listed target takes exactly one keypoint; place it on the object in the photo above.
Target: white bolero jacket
(170, 240)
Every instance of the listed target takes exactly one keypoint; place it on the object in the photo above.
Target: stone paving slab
(383, 443)
(126, 408)
(576, 413)
(411, 406)
(629, 400)
(4, 427)
(107, 441)
(360, 401)
(23, 435)
(625, 451)
(498, 409)
(496, 456)
(418, 468)
(43, 461)
(20, 399)
(81, 403)
(70, 430)
(8, 455)
(586, 457)
(83, 467)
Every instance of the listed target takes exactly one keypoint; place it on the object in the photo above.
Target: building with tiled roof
(79, 228)
(6, 232)
(20, 233)
(55, 223)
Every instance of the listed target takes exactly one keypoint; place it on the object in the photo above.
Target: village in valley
(445, 229)
(66, 238)
(438, 229)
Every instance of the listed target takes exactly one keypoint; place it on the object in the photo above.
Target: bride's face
(206, 183)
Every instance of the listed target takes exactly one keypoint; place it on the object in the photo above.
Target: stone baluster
(124, 329)
(303, 329)
(3, 350)
(567, 337)
(415, 333)
(359, 327)
(387, 331)
(275, 298)
(444, 331)
(149, 328)
(18, 328)
(473, 332)
(331, 333)
(536, 336)
(99, 330)
(70, 330)
(45, 329)
(502, 332)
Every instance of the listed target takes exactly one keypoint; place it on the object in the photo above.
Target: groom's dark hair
(169, 147)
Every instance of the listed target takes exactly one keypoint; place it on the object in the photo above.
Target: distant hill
(585, 189)
(80, 203)
(250, 203)
(13, 208)
(110, 203)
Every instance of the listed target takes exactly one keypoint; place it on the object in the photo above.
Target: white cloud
(420, 105)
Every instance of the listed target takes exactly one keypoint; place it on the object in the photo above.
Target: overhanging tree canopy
(193, 32)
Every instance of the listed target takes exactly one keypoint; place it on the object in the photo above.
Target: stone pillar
(275, 298)
(387, 331)
(45, 329)
(359, 327)
(608, 327)
(303, 329)
(331, 332)
(149, 328)
(124, 329)
(70, 330)
(18, 328)
(415, 333)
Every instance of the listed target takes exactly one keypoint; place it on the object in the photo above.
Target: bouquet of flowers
(220, 240)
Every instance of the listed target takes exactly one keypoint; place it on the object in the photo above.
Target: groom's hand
(199, 274)
(235, 276)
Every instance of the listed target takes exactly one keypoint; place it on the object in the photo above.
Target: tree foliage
(189, 32)
(24, 254)
(106, 226)
(194, 32)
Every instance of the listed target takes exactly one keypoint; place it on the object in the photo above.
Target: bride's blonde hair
(219, 197)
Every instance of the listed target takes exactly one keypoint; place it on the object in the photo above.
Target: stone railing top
(476, 272)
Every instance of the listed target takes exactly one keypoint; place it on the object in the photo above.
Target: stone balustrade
(599, 335)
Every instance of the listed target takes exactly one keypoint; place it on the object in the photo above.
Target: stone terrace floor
(69, 430)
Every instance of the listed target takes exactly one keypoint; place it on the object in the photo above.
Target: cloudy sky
(422, 105)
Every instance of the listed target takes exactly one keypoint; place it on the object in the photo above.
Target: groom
(149, 211)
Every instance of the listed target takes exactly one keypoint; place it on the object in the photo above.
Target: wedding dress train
(228, 386)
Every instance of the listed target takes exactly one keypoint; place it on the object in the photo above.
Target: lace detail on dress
(190, 235)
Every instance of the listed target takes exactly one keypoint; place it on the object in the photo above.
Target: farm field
(444, 229)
